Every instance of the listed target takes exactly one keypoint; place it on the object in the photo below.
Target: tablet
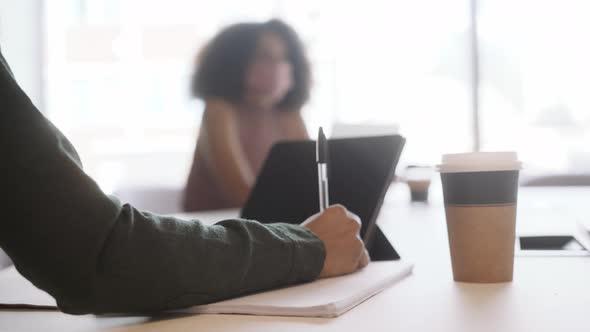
(360, 171)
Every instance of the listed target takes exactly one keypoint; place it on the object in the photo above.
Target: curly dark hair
(223, 63)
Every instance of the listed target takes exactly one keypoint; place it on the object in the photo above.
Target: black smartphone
(550, 242)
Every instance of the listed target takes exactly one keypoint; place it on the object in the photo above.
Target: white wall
(21, 40)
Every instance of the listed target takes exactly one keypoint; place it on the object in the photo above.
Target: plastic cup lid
(479, 162)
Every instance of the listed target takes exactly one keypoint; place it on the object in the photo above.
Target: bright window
(117, 76)
(535, 78)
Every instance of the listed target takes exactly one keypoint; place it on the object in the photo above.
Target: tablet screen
(359, 173)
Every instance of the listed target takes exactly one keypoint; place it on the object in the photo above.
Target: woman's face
(269, 75)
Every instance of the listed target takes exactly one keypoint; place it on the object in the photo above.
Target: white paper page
(322, 298)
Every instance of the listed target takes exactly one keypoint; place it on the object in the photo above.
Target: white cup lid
(479, 162)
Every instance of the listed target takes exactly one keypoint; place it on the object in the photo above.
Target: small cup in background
(418, 179)
(480, 193)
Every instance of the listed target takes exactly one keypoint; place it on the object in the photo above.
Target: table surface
(547, 294)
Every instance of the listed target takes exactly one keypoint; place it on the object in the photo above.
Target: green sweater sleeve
(96, 255)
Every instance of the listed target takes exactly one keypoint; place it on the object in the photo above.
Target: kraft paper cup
(480, 193)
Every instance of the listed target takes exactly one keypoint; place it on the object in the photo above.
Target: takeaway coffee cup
(480, 193)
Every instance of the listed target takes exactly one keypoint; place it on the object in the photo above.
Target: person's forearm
(95, 255)
(158, 263)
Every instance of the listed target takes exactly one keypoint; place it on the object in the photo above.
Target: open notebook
(321, 298)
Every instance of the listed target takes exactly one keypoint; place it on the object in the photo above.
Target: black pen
(322, 160)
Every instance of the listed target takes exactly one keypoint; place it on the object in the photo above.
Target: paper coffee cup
(480, 192)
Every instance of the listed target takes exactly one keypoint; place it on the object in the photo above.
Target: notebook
(322, 298)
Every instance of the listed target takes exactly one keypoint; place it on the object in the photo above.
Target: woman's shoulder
(293, 125)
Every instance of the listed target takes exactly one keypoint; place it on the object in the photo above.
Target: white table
(547, 294)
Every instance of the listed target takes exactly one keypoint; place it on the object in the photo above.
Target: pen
(322, 161)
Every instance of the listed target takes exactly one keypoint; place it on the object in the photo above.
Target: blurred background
(450, 75)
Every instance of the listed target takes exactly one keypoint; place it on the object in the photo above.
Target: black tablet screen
(359, 173)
